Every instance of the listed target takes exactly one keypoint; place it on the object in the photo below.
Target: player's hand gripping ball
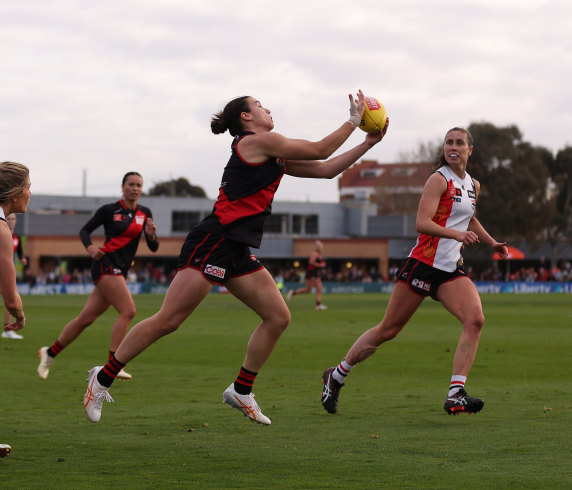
(374, 116)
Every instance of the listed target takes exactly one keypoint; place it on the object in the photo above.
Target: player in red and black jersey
(123, 226)
(316, 264)
(19, 253)
(123, 221)
(217, 251)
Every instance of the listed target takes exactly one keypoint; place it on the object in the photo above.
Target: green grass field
(169, 429)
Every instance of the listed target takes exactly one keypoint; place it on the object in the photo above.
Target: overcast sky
(108, 86)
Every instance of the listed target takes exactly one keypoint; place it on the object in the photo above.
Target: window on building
(276, 223)
(185, 220)
(402, 172)
(312, 223)
(371, 173)
(305, 224)
(297, 224)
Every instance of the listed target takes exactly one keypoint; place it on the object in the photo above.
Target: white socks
(341, 372)
(457, 383)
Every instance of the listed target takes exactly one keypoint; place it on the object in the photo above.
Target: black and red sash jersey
(245, 197)
(123, 228)
(312, 267)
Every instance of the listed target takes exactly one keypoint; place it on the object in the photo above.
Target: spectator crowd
(158, 274)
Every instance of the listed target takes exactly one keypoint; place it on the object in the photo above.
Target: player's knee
(474, 323)
(283, 320)
(128, 312)
(479, 321)
(169, 327)
(389, 334)
(131, 313)
(280, 321)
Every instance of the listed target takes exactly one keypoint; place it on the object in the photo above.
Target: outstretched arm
(334, 166)
(261, 146)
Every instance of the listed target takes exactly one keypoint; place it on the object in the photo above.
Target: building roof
(370, 173)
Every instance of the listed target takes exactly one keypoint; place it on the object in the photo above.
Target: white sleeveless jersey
(455, 210)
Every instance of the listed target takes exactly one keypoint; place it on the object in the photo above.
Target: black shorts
(313, 274)
(218, 258)
(424, 279)
(104, 267)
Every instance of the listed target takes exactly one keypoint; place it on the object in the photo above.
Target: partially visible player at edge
(18, 252)
(14, 198)
(313, 278)
(217, 250)
(123, 221)
(445, 223)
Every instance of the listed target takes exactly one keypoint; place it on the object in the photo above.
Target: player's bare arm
(12, 300)
(334, 166)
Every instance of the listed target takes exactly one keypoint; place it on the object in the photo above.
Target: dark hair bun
(218, 124)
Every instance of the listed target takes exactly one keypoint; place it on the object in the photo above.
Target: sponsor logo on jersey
(118, 217)
(423, 285)
(213, 270)
(140, 220)
(116, 271)
(472, 194)
(458, 192)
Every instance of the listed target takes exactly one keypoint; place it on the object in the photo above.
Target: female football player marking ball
(217, 250)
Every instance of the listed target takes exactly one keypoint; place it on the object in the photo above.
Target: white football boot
(46, 362)
(246, 404)
(94, 396)
(123, 375)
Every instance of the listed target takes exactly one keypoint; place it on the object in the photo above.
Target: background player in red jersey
(316, 264)
(14, 198)
(123, 222)
(18, 252)
(445, 222)
(217, 250)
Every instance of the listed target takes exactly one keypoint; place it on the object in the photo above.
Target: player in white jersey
(455, 210)
(14, 198)
(445, 223)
